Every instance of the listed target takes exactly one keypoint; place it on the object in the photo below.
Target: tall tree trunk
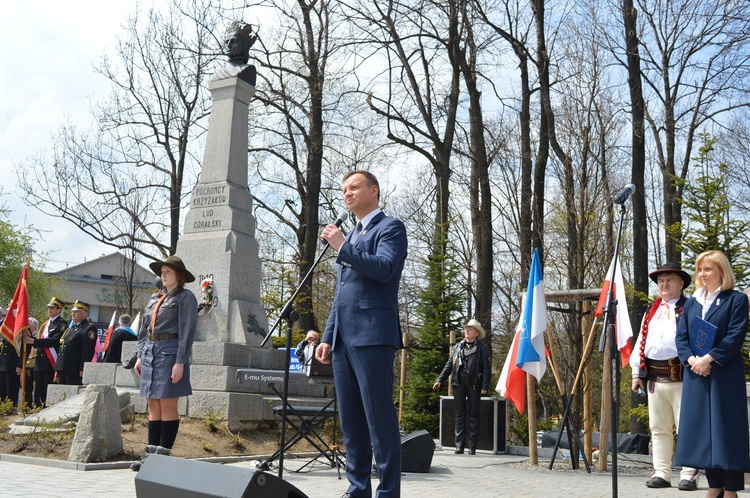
(479, 191)
(640, 234)
(310, 188)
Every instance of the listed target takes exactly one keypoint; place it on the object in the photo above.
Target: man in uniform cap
(77, 345)
(48, 347)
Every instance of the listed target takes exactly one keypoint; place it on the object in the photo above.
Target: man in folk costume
(657, 369)
(47, 346)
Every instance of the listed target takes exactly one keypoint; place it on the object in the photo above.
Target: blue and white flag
(531, 351)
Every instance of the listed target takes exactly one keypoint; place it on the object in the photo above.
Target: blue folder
(702, 335)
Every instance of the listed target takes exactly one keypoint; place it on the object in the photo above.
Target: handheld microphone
(624, 194)
(343, 216)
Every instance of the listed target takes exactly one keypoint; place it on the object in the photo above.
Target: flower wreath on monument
(207, 292)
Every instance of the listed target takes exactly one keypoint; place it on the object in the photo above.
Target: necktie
(357, 233)
(156, 311)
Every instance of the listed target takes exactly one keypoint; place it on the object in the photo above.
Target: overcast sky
(47, 52)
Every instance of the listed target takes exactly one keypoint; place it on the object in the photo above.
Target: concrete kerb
(125, 464)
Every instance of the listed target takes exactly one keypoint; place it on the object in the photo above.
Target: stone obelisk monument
(218, 241)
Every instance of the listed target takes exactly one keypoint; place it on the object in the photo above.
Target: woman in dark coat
(165, 342)
(713, 419)
(470, 369)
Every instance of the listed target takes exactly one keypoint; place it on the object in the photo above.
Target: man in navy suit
(363, 332)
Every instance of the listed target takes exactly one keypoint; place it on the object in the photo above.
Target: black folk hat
(671, 268)
(173, 262)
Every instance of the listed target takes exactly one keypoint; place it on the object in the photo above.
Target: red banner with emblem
(17, 316)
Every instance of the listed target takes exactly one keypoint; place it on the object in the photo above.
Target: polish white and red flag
(623, 329)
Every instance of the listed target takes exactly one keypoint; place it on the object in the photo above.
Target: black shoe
(130, 363)
(136, 466)
(459, 452)
(686, 485)
(472, 451)
(658, 482)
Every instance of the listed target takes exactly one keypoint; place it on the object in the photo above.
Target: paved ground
(457, 476)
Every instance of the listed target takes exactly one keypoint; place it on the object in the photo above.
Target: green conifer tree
(708, 212)
(439, 310)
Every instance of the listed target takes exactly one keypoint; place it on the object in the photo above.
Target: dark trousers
(42, 380)
(10, 383)
(364, 390)
(70, 378)
(467, 400)
(731, 480)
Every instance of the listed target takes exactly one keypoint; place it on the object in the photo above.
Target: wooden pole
(402, 383)
(23, 379)
(586, 379)
(531, 411)
(553, 362)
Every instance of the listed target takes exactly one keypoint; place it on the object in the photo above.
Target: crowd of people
(55, 352)
(687, 354)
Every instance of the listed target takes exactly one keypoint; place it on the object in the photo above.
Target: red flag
(512, 382)
(17, 318)
(110, 329)
(623, 329)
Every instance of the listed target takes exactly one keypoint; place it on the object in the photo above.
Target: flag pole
(23, 382)
(23, 351)
(552, 362)
(531, 414)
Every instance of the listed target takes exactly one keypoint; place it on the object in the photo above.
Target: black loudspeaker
(493, 424)
(417, 450)
(170, 477)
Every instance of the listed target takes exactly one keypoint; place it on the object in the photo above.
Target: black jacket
(77, 347)
(8, 356)
(477, 366)
(56, 329)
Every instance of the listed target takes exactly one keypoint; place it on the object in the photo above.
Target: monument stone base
(216, 390)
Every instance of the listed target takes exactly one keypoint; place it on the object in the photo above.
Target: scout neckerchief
(156, 311)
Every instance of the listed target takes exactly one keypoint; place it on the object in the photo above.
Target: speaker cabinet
(172, 477)
(493, 424)
(417, 450)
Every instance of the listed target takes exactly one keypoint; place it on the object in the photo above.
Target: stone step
(217, 390)
(225, 353)
(202, 378)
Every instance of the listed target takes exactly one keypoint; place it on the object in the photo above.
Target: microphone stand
(296, 293)
(610, 313)
(289, 314)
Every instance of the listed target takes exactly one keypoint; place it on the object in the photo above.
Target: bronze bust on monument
(237, 45)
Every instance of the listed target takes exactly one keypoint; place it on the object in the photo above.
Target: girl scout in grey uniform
(165, 341)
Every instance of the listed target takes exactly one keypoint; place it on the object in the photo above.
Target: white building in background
(102, 283)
